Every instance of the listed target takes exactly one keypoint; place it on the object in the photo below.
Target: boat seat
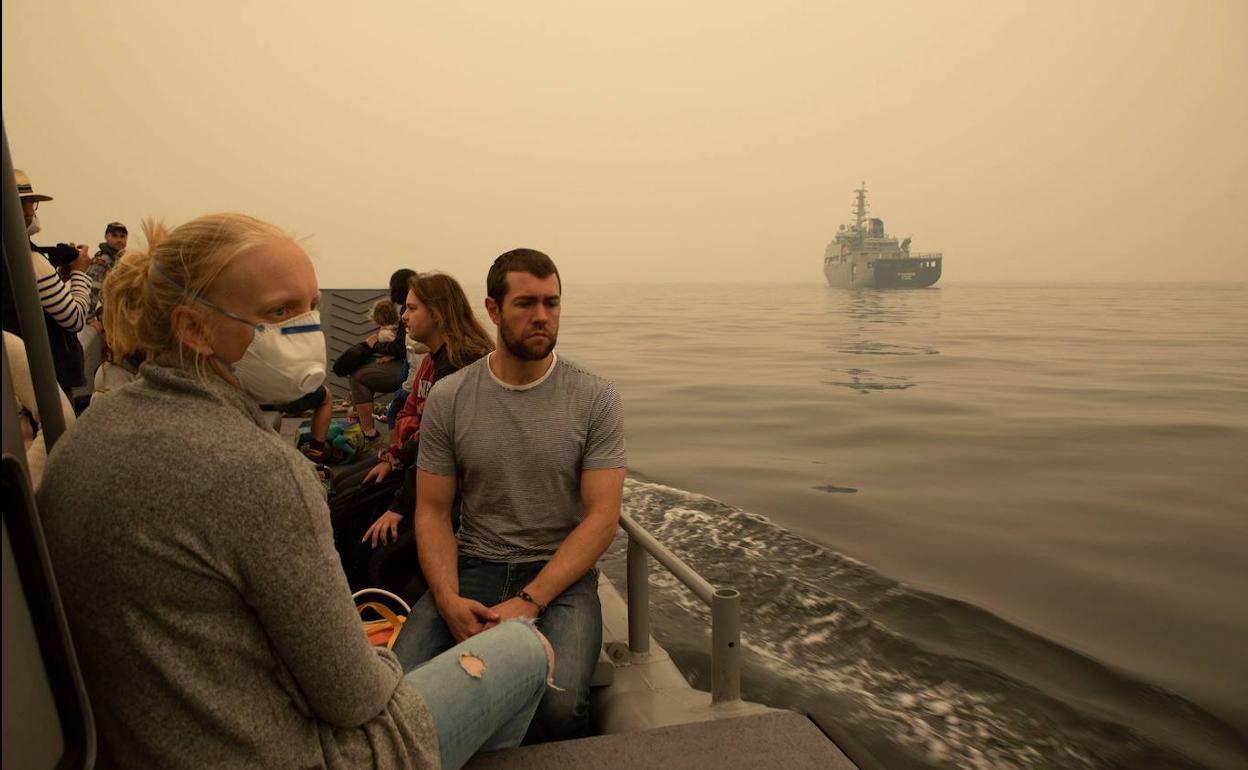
(47, 718)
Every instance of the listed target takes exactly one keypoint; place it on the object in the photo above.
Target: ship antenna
(860, 210)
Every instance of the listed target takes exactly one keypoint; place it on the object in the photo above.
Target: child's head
(384, 313)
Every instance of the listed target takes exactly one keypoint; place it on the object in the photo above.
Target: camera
(60, 255)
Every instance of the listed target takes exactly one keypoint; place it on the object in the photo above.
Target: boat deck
(649, 717)
(783, 740)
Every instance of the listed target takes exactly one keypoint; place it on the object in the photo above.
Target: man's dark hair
(116, 227)
(529, 261)
(398, 285)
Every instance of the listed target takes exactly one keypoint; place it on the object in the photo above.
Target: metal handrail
(73, 734)
(21, 280)
(725, 609)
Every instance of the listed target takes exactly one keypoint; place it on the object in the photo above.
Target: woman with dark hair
(384, 375)
(377, 503)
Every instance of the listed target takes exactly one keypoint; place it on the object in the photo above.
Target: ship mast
(860, 210)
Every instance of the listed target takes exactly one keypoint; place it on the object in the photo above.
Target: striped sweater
(65, 301)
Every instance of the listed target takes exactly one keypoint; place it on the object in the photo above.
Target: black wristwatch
(522, 594)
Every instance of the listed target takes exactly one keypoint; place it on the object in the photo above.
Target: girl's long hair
(466, 339)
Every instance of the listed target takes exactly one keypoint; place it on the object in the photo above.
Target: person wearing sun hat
(64, 300)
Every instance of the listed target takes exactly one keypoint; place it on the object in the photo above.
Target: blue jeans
(489, 712)
(572, 622)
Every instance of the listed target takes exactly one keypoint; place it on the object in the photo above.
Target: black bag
(352, 511)
(352, 358)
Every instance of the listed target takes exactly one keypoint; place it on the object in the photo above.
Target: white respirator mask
(284, 360)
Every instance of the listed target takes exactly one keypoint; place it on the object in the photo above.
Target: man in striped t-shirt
(534, 446)
(64, 299)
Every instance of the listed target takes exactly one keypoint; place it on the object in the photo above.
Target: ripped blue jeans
(482, 693)
(572, 623)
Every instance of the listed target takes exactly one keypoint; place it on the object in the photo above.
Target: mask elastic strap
(227, 313)
(229, 367)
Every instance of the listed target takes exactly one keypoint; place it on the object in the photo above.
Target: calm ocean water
(984, 526)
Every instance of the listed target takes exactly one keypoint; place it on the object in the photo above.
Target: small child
(386, 316)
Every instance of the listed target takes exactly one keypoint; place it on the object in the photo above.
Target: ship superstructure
(863, 256)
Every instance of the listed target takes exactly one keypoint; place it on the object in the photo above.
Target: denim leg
(573, 624)
(484, 581)
(488, 712)
(425, 634)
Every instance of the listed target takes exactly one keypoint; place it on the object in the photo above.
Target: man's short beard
(518, 349)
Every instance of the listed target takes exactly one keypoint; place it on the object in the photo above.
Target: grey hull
(856, 271)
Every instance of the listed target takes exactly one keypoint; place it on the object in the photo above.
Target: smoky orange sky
(650, 141)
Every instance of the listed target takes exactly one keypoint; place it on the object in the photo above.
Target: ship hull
(857, 271)
(906, 273)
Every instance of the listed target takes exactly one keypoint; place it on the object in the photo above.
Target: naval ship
(862, 256)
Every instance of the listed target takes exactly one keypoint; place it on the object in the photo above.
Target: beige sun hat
(24, 189)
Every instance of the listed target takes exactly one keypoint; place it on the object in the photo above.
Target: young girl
(191, 544)
(438, 315)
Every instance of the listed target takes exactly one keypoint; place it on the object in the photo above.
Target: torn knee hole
(471, 664)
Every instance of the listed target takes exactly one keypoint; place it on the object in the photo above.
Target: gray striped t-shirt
(518, 454)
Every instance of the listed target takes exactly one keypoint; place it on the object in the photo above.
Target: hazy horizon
(704, 142)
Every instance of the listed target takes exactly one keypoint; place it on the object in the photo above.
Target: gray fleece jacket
(212, 619)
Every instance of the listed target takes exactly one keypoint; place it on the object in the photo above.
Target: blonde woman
(193, 550)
